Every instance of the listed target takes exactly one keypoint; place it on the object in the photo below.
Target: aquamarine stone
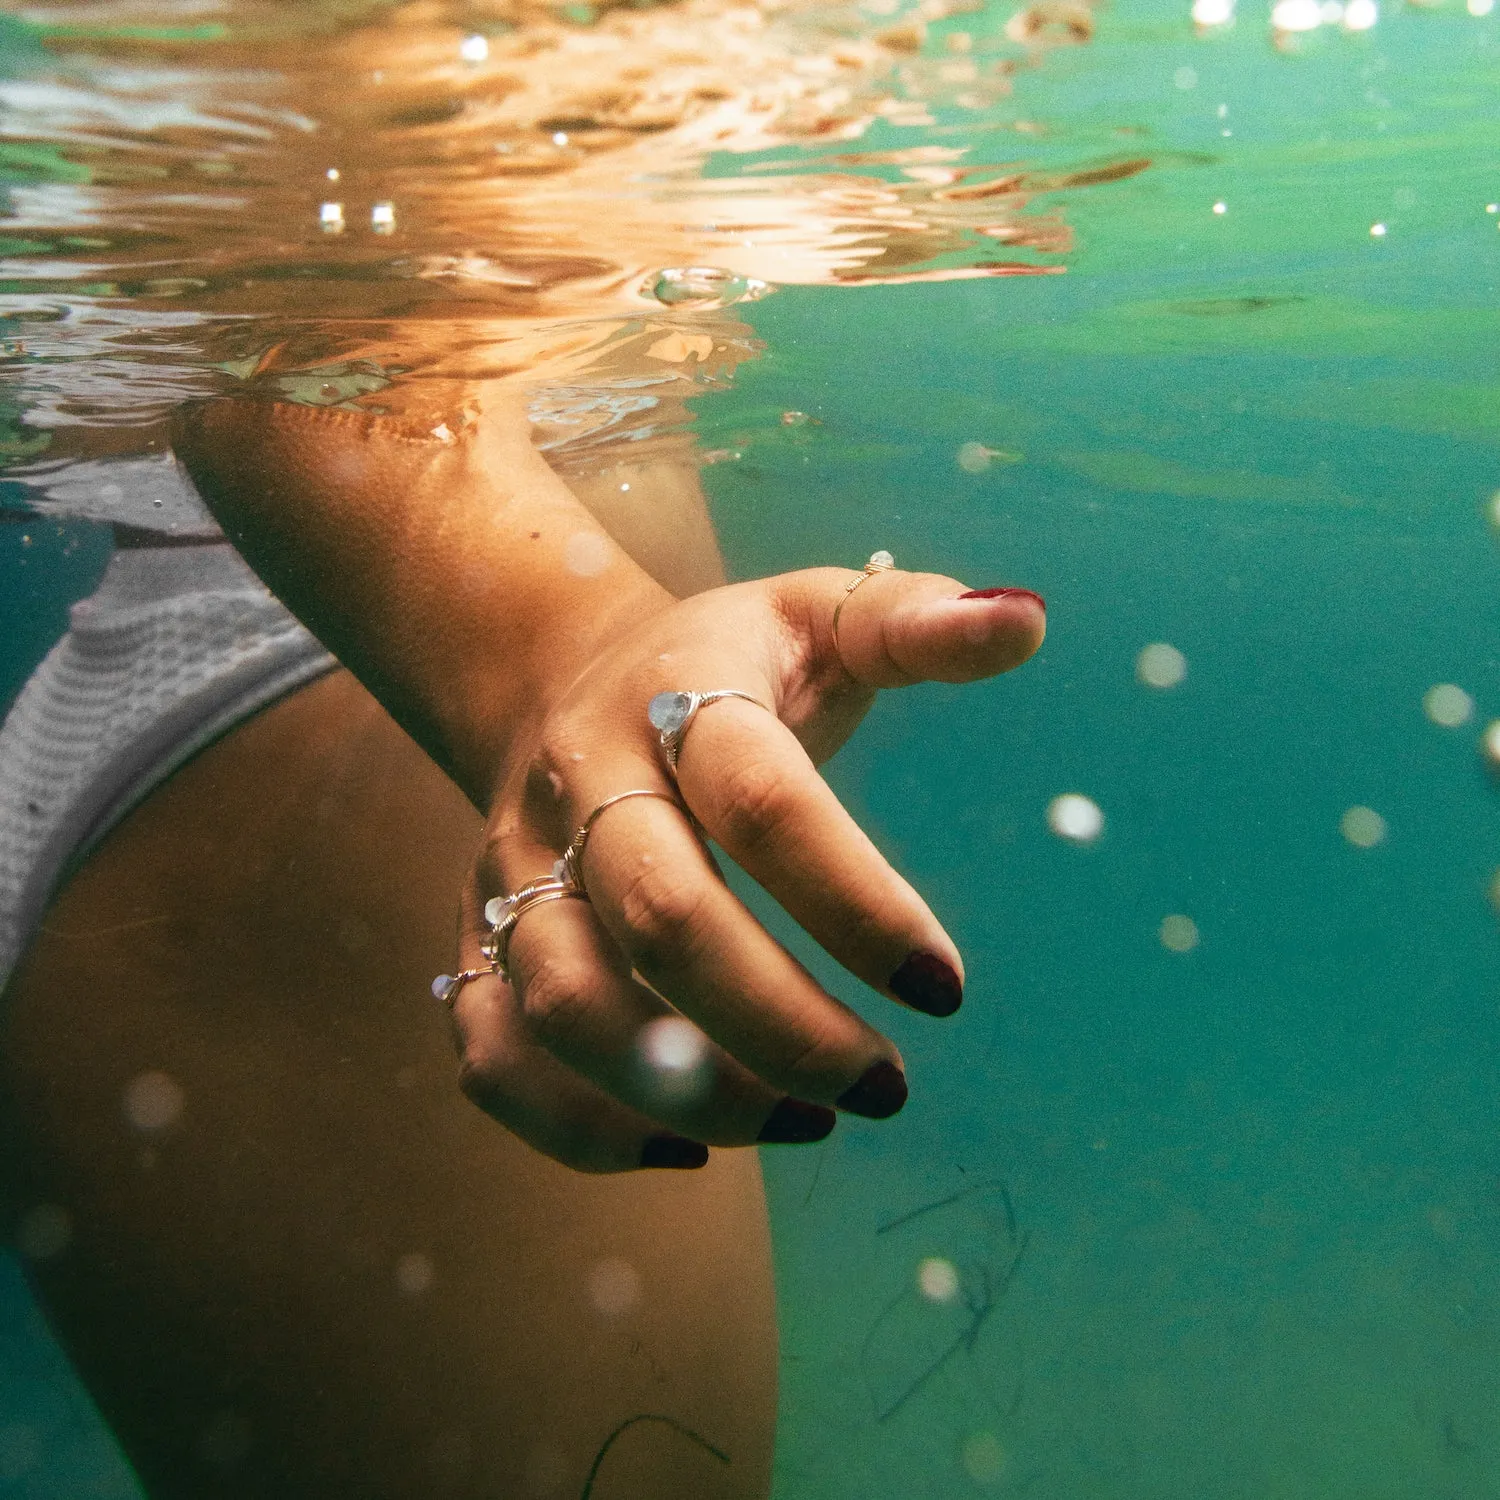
(494, 910)
(443, 987)
(669, 711)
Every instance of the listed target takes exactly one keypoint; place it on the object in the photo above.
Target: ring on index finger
(671, 714)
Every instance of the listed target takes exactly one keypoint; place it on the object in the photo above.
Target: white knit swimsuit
(176, 646)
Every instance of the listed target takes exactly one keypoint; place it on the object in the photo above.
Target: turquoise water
(1225, 1222)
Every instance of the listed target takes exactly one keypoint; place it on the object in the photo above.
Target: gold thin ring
(572, 860)
(496, 946)
(880, 562)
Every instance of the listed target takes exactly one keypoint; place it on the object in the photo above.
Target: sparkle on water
(937, 1279)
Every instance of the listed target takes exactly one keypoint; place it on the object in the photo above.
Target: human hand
(565, 1052)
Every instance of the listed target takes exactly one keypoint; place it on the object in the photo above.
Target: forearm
(452, 572)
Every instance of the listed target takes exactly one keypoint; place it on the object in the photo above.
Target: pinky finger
(550, 1107)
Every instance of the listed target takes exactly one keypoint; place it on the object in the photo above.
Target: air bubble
(153, 1101)
(1075, 817)
(1178, 933)
(1160, 665)
(1447, 704)
(614, 1287)
(674, 1061)
(706, 287)
(937, 1279)
(1363, 827)
(983, 1458)
(414, 1274)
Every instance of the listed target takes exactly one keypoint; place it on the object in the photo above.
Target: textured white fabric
(176, 646)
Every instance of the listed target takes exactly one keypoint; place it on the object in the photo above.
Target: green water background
(1258, 1184)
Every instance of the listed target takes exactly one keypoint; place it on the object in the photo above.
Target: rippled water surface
(1194, 330)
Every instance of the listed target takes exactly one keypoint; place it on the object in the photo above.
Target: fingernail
(928, 984)
(795, 1122)
(1005, 594)
(878, 1095)
(673, 1151)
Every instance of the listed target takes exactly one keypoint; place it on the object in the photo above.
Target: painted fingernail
(795, 1122)
(1005, 594)
(673, 1151)
(928, 984)
(878, 1095)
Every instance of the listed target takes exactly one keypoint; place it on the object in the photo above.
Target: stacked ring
(570, 866)
(503, 912)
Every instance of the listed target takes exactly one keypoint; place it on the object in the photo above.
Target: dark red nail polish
(1005, 594)
(673, 1151)
(878, 1095)
(795, 1122)
(928, 984)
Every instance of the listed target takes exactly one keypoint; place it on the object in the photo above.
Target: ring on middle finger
(671, 714)
(503, 912)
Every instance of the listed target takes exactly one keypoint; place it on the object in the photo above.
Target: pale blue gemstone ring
(672, 713)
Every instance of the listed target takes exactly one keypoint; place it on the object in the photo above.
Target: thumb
(898, 628)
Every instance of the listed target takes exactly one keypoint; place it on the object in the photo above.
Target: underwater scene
(1186, 318)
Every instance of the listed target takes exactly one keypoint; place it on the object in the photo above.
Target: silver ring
(570, 866)
(672, 713)
(503, 912)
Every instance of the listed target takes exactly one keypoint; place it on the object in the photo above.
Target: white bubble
(333, 174)
(559, 137)
(1360, 15)
(937, 1279)
(1160, 665)
(1213, 12)
(983, 1458)
(1447, 704)
(586, 553)
(614, 1287)
(474, 49)
(1076, 817)
(383, 218)
(675, 1059)
(1296, 15)
(1480, 7)
(1363, 827)
(44, 1231)
(1221, 207)
(1377, 231)
(413, 1274)
(331, 217)
(1179, 933)
(1186, 78)
(153, 1101)
(974, 458)
(1489, 744)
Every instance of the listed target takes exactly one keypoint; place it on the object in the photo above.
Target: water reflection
(327, 202)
